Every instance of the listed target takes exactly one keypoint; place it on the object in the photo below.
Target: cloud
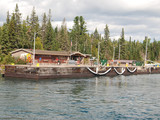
(139, 18)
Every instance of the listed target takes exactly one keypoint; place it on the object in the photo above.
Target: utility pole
(113, 52)
(119, 51)
(91, 46)
(98, 53)
(34, 49)
(34, 46)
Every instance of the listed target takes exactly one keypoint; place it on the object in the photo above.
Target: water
(122, 97)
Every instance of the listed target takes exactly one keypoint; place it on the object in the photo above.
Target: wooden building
(122, 62)
(50, 57)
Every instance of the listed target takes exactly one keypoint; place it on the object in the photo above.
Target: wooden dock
(73, 71)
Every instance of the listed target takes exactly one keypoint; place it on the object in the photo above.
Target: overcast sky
(139, 18)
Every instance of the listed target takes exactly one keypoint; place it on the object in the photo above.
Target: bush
(20, 61)
(8, 59)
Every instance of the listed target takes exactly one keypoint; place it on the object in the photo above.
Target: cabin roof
(124, 61)
(47, 52)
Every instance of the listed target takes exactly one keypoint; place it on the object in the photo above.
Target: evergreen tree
(96, 39)
(16, 33)
(106, 33)
(107, 47)
(122, 45)
(64, 38)
(33, 27)
(75, 33)
(56, 43)
(0, 41)
(8, 18)
(12, 33)
(25, 36)
(50, 43)
(34, 23)
(0, 34)
(129, 50)
(43, 28)
(49, 37)
(96, 35)
(156, 49)
(38, 44)
(83, 36)
(18, 28)
(5, 43)
(27, 21)
(83, 27)
(78, 33)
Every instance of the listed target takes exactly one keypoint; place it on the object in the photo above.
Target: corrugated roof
(47, 52)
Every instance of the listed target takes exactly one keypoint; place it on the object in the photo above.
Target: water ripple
(116, 98)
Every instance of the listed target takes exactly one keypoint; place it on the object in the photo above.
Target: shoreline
(73, 71)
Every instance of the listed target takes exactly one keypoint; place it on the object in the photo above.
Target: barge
(73, 71)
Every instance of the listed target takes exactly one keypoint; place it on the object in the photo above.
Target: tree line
(16, 33)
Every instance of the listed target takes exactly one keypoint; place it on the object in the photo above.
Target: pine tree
(0, 34)
(18, 28)
(49, 37)
(107, 44)
(43, 28)
(96, 39)
(75, 33)
(5, 43)
(25, 37)
(64, 38)
(0, 50)
(83, 30)
(78, 33)
(8, 18)
(83, 27)
(106, 33)
(33, 27)
(96, 35)
(38, 44)
(12, 33)
(50, 43)
(56, 43)
(122, 45)
(130, 50)
(34, 23)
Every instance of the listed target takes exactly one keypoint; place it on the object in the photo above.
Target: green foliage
(12, 33)
(78, 34)
(50, 42)
(43, 28)
(64, 37)
(19, 61)
(5, 43)
(122, 44)
(18, 33)
(38, 44)
(8, 59)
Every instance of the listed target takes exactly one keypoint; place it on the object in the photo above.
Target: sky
(139, 18)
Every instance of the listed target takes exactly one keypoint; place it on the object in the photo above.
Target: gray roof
(47, 52)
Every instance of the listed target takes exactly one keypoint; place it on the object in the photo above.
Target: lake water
(99, 98)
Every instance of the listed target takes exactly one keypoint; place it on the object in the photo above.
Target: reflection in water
(119, 81)
(121, 97)
(78, 88)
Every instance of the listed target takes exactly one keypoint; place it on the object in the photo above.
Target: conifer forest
(18, 33)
